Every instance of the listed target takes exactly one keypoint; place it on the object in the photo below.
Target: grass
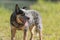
(50, 13)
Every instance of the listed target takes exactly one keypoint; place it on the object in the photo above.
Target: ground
(50, 13)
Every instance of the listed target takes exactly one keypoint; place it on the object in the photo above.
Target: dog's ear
(24, 7)
(21, 12)
(17, 8)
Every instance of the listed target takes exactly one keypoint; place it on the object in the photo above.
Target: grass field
(50, 13)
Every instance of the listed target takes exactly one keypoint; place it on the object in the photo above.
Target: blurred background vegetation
(49, 10)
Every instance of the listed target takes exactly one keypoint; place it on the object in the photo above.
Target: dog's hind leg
(40, 31)
(13, 31)
(25, 35)
(40, 35)
(32, 29)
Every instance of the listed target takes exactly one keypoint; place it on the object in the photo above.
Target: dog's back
(35, 18)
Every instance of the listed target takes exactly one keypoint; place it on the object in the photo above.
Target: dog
(22, 19)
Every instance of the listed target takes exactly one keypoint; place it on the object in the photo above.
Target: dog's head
(20, 15)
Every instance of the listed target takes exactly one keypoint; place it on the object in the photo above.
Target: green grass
(50, 13)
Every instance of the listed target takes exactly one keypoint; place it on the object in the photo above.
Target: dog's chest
(18, 22)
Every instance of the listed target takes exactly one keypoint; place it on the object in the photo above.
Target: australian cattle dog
(22, 19)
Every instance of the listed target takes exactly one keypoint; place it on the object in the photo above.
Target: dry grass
(50, 13)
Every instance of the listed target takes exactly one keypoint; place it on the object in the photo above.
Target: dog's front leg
(31, 38)
(13, 31)
(25, 31)
(25, 35)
